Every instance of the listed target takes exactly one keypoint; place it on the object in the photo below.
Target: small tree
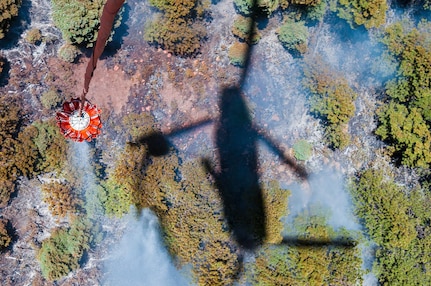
(293, 36)
(8, 10)
(34, 36)
(368, 13)
(5, 237)
(179, 28)
(237, 53)
(62, 251)
(77, 20)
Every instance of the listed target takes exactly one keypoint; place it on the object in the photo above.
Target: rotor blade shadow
(342, 242)
(299, 170)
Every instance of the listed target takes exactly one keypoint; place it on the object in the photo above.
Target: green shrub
(8, 10)
(293, 36)
(397, 220)
(264, 6)
(368, 13)
(308, 265)
(62, 251)
(50, 99)
(404, 121)
(5, 237)
(51, 146)
(179, 28)
(332, 99)
(10, 118)
(77, 20)
(316, 12)
(68, 52)
(237, 53)
(2, 63)
(241, 29)
(61, 199)
(302, 150)
(34, 36)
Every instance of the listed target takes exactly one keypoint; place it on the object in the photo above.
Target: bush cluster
(397, 220)
(293, 35)
(357, 12)
(313, 265)
(332, 100)
(237, 53)
(8, 10)
(5, 237)
(62, 251)
(61, 199)
(34, 36)
(405, 119)
(179, 28)
(77, 20)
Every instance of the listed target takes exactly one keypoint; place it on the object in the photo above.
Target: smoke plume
(140, 258)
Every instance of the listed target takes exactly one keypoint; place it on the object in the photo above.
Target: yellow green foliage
(237, 53)
(293, 35)
(77, 20)
(399, 223)
(51, 146)
(332, 99)
(179, 28)
(368, 13)
(241, 29)
(275, 202)
(61, 252)
(34, 36)
(404, 122)
(61, 199)
(5, 238)
(8, 10)
(50, 99)
(265, 6)
(189, 208)
(306, 2)
(311, 264)
(9, 126)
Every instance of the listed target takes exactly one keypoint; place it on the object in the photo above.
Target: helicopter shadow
(235, 167)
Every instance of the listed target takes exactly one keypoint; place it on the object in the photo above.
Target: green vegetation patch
(302, 150)
(5, 236)
(78, 20)
(293, 36)
(8, 10)
(61, 199)
(398, 221)
(404, 121)
(312, 264)
(370, 13)
(332, 99)
(241, 29)
(238, 53)
(179, 27)
(62, 251)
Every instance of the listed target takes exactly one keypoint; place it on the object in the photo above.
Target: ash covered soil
(133, 77)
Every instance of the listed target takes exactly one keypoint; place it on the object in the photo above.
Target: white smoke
(84, 171)
(327, 191)
(140, 258)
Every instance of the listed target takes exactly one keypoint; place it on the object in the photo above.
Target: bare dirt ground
(108, 88)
